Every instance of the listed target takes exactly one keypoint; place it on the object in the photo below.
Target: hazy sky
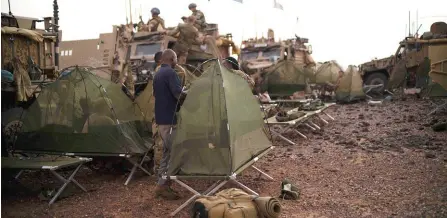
(349, 31)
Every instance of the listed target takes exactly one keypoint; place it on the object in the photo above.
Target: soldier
(156, 23)
(188, 34)
(200, 22)
(232, 64)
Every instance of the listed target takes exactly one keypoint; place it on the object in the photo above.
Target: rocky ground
(373, 161)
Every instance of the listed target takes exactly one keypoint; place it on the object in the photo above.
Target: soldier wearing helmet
(200, 22)
(156, 23)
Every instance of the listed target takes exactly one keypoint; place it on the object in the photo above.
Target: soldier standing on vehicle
(156, 23)
(188, 34)
(200, 22)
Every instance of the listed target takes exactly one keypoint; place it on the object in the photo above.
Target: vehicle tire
(11, 124)
(376, 79)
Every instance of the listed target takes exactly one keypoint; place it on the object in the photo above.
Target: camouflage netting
(327, 72)
(351, 86)
(81, 113)
(286, 78)
(217, 132)
(23, 45)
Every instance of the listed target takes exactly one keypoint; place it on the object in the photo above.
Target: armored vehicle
(401, 69)
(142, 47)
(280, 68)
(28, 61)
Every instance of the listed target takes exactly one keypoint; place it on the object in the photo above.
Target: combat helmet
(192, 5)
(155, 11)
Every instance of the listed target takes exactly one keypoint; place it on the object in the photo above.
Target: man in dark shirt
(167, 91)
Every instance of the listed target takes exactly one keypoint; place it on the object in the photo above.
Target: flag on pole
(240, 1)
(277, 5)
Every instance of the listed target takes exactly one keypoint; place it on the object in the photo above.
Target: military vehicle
(143, 46)
(400, 70)
(280, 68)
(28, 62)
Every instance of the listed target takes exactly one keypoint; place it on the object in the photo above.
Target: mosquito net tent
(351, 86)
(327, 72)
(81, 113)
(218, 130)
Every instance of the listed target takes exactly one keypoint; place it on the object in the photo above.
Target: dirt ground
(372, 161)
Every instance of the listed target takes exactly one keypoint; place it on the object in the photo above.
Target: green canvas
(81, 113)
(350, 87)
(218, 129)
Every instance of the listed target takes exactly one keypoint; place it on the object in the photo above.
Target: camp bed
(136, 160)
(219, 134)
(220, 181)
(49, 164)
(84, 115)
(304, 120)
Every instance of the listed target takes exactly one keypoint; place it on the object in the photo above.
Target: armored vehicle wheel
(376, 79)
(11, 124)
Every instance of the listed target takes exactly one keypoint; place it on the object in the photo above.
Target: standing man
(157, 60)
(167, 91)
(200, 22)
(188, 34)
(156, 23)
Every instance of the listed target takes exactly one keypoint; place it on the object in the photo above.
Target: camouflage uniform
(156, 24)
(200, 23)
(188, 34)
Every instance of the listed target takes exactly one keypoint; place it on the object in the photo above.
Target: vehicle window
(249, 55)
(272, 53)
(147, 49)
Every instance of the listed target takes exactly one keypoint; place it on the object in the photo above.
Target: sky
(349, 31)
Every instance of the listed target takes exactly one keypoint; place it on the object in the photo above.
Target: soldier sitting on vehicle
(156, 23)
(200, 22)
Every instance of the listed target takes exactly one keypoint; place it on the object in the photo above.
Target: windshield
(147, 49)
(249, 55)
(272, 53)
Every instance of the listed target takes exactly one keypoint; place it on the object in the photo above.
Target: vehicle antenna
(130, 10)
(417, 18)
(9, 5)
(409, 23)
(56, 30)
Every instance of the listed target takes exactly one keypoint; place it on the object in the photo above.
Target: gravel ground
(373, 161)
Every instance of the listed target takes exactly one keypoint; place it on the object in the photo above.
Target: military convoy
(402, 68)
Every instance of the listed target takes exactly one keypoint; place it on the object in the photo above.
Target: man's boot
(166, 192)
